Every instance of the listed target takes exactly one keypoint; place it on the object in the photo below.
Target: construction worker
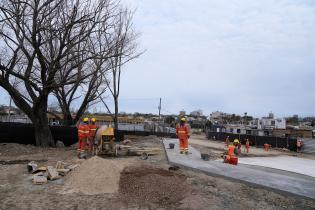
(247, 146)
(267, 147)
(231, 156)
(298, 145)
(83, 134)
(182, 131)
(227, 141)
(93, 127)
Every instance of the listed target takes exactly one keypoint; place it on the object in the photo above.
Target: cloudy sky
(234, 56)
(230, 55)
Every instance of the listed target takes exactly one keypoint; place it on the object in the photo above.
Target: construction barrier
(258, 141)
(22, 133)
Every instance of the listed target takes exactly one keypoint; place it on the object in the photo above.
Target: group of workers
(231, 157)
(239, 145)
(234, 150)
(86, 135)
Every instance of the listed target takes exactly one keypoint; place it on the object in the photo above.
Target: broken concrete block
(72, 167)
(39, 169)
(39, 179)
(63, 172)
(52, 173)
(31, 166)
(60, 165)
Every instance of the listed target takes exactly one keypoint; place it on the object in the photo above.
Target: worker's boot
(186, 152)
(181, 152)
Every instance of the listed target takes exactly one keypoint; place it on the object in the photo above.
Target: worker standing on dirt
(93, 127)
(183, 133)
(83, 134)
(232, 154)
(247, 146)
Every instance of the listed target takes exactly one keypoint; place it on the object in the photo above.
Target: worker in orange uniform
(83, 134)
(93, 128)
(231, 156)
(247, 146)
(298, 145)
(267, 147)
(182, 131)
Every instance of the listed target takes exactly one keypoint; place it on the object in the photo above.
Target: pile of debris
(42, 174)
(151, 184)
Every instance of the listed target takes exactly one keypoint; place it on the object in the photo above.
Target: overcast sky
(230, 55)
(234, 56)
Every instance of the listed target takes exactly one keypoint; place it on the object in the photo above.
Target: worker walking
(83, 134)
(183, 133)
(247, 146)
(93, 128)
(231, 156)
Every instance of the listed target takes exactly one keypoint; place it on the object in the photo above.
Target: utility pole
(160, 106)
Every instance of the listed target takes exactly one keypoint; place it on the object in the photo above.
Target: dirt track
(199, 191)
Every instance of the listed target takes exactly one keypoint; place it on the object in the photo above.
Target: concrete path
(278, 182)
(286, 163)
(220, 145)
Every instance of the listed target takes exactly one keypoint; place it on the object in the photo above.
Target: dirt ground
(143, 184)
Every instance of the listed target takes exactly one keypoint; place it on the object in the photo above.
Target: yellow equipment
(93, 119)
(183, 119)
(86, 119)
(106, 145)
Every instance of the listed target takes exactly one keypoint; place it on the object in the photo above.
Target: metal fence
(258, 141)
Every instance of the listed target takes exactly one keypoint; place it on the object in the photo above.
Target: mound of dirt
(96, 176)
(156, 185)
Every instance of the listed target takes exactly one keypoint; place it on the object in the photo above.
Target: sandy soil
(199, 190)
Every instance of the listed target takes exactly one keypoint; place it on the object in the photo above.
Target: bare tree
(40, 39)
(99, 50)
(125, 50)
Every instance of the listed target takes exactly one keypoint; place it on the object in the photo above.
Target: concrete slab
(286, 163)
(277, 182)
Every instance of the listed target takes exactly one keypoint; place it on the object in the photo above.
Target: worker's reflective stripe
(181, 131)
(92, 129)
(81, 131)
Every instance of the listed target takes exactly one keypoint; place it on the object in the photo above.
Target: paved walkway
(278, 182)
(286, 163)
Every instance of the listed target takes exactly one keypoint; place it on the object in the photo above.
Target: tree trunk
(43, 134)
(116, 117)
(67, 119)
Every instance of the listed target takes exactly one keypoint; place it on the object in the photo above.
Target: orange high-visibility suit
(231, 157)
(247, 146)
(92, 134)
(83, 134)
(182, 131)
